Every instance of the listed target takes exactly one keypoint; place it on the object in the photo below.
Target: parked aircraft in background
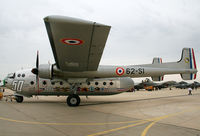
(184, 85)
(150, 85)
(77, 47)
(167, 84)
(145, 83)
(195, 84)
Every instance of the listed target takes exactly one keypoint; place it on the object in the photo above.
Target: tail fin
(189, 62)
(186, 67)
(157, 60)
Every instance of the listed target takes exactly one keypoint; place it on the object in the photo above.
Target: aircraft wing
(77, 44)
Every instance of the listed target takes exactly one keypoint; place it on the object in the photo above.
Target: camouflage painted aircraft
(77, 47)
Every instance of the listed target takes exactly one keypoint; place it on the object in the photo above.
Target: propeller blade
(37, 60)
(37, 72)
(37, 82)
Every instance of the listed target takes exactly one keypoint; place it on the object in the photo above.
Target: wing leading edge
(77, 44)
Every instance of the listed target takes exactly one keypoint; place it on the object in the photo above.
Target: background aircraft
(77, 47)
(147, 83)
(150, 85)
(184, 85)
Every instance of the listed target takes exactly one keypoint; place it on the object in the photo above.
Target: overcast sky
(141, 30)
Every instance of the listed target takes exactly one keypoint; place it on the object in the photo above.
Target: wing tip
(59, 18)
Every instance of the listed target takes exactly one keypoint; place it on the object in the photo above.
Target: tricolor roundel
(69, 41)
(187, 60)
(119, 71)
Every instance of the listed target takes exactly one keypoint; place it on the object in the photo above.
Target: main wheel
(73, 100)
(19, 99)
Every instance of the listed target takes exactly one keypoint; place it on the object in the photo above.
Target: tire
(19, 99)
(73, 100)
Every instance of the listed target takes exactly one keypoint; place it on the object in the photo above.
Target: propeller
(36, 71)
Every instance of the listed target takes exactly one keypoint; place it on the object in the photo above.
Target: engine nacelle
(126, 82)
(45, 71)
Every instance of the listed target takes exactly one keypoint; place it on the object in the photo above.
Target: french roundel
(72, 41)
(119, 71)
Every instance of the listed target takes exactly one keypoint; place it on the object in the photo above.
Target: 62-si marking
(133, 71)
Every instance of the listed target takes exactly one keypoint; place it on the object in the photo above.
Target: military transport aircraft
(77, 48)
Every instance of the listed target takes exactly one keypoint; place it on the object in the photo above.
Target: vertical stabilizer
(189, 62)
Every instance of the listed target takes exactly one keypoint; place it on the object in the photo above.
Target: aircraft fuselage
(24, 83)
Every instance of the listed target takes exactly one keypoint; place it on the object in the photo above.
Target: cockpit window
(11, 75)
(18, 75)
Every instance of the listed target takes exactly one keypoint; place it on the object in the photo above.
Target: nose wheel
(19, 99)
(73, 100)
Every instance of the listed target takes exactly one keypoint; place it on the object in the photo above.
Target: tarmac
(141, 113)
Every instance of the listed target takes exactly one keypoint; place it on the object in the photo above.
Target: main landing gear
(73, 100)
(19, 99)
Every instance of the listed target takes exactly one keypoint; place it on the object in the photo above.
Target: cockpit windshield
(11, 75)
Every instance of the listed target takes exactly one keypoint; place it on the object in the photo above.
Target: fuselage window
(111, 83)
(104, 83)
(44, 82)
(31, 82)
(18, 75)
(61, 83)
(96, 83)
(88, 83)
(23, 75)
(53, 83)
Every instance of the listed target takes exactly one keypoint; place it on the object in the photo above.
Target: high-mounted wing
(77, 44)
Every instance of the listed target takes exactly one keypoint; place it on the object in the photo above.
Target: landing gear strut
(19, 99)
(73, 100)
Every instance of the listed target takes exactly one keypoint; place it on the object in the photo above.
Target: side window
(44, 82)
(111, 83)
(32, 83)
(19, 75)
(23, 75)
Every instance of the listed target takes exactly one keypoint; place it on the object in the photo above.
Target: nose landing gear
(19, 99)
